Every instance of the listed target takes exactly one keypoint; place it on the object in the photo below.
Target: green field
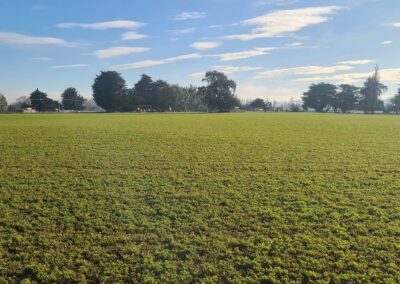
(199, 198)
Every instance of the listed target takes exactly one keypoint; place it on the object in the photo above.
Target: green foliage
(395, 103)
(3, 103)
(108, 88)
(346, 99)
(72, 100)
(261, 104)
(219, 93)
(41, 102)
(370, 94)
(319, 96)
(190, 198)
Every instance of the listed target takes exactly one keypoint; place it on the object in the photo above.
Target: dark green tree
(219, 93)
(108, 88)
(143, 90)
(346, 99)
(3, 103)
(72, 100)
(372, 90)
(41, 102)
(395, 103)
(258, 103)
(319, 96)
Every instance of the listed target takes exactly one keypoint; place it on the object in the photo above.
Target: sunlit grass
(178, 198)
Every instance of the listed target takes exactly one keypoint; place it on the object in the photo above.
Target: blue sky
(272, 48)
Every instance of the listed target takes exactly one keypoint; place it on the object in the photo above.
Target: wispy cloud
(386, 42)
(284, 22)
(21, 40)
(103, 25)
(389, 76)
(119, 51)
(190, 16)
(133, 36)
(304, 70)
(357, 62)
(42, 58)
(182, 31)
(227, 69)
(70, 66)
(236, 69)
(244, 54)
(396, 25)
(151, 63)
(205, 45)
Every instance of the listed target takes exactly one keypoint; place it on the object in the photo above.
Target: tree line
(111, 94)
(324, 97)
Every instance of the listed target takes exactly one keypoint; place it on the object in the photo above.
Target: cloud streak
(284, 22)
(304, 70)
(69, 66)
(357, 62)
(152, 63)
(102, 25)
(190, 16)
(390, 76)
(132, 36)
(119, 51)
(205, 45)
(232, 56)
(16, 39)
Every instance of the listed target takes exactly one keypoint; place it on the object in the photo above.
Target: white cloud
(294, 44)
(284, 22)
(388, 76)
(205, 45)
(20, 39)
(41, 58)
(119, 51)
(102, 25)
(235, 69)
(396, 25)
(182, 31)
(132, 36)
(304, 70)
(198, 75)
(357, 62)
(151, 63)
(386, 42)
(190, 16)
(244, 54)
(70, 66)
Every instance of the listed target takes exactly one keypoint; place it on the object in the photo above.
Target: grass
(196, 198)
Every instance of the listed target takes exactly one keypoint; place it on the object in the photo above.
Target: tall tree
(72, 100)
(108, 87)
(41, 102)
(319, 96)
(258, 104)
(3, 103)
(346, 99)
(371, 92)
(219, 93)
(143, 90)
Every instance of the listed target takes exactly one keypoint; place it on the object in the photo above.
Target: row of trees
(324, 97)
(112, 94)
